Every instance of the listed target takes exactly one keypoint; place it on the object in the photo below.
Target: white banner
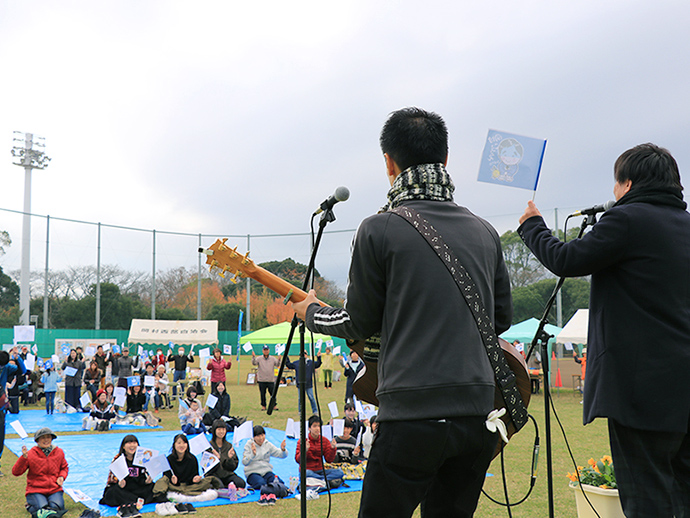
(179, 332)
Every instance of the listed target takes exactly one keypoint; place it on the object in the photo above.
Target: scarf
(670, 196)
(47, 450)
(420, 182)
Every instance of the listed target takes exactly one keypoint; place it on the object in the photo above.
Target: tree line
(126, 295)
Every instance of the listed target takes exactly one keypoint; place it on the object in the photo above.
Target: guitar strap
(505, 378)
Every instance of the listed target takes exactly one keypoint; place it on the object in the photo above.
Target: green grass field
(586, 442)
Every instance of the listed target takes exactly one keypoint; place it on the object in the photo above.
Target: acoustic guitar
(223, 259)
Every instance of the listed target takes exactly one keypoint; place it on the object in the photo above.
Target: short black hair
(647, 165)
(126, 439)
(347, 423)
(4, 358)
(258, 430)
(314, 419)
(412, 136)
(349, 406)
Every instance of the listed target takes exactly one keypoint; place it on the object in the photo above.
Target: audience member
(47, 471)
(138, 484)
(352, 368)
(217, 365)
(265, 374)
(192, 420)
(257, 454)
(221, 408)
(180, 361)
(315, 446)
(50, 379)
(73, 379)
(226, 454)
(346, 447)
(310, 367)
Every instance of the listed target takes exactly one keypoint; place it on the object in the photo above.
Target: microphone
(341, 194)
(594, 210)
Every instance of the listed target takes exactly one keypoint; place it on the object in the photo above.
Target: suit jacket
(638, 350)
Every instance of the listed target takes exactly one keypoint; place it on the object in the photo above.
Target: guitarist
(436, 385)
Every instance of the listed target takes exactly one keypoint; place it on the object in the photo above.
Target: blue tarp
(89, 456)
(32, 420)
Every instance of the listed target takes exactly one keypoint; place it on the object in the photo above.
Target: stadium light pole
(30, 156)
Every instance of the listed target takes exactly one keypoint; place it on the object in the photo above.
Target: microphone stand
(543, 337)
(326, 217)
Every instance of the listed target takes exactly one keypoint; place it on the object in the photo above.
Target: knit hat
(100, 391)
(44, 431)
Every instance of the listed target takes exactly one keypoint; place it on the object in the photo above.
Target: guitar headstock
(225, 259)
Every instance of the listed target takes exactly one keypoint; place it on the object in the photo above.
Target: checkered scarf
(420, 182)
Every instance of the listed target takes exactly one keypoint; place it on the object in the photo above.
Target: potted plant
(596, 483)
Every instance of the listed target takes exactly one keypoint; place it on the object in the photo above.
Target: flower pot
(605, 501)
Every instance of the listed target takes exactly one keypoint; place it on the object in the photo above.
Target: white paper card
(336, 350)
(140, 350)
(338, 426)
(90, 351)
(290, 428)
(70, 371)
(247, 347)
(30, 362)
(244, 431)
(211, 401)
(227, 349)
(333, 407)
(198, 443)
(34, 349)
(149, 381)
(55, 358)
(327, 431)
(157, 465)
(205, 352)
(280, 348)
(119, 467)
(568, 346)
(19, 429)
(359, 437)
(358, 406)
(120, 401)
(78, 495)
(143, 456)
(24, 333)
(120, 391)
(208, 460)
(85, 400)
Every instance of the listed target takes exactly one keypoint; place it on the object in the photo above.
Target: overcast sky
(235, 118)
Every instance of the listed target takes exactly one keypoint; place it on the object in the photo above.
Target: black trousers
(440, 464)
(652, 471)
(264, 387)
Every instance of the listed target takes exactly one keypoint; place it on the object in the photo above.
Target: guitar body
(366, 383)
(228, 259)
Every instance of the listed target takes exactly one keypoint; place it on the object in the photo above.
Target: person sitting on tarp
(124, 493)
(346, 447)
(221, 408)
(227, 456)
(257, 453)
(102, 411)
(182, 482)
(192, 420)
(315, 446)
(135, 400)
(47, 471)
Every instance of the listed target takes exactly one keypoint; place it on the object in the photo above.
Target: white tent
(575, 331)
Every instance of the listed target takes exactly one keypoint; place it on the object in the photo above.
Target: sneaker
(181, 508)
(263, 500)
(46, 513)
(123, 512)
(272, 499)
(134, 511)
(190, 508)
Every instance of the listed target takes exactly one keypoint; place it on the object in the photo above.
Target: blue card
(512, 160)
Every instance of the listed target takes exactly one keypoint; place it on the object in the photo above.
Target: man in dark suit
(639, 326)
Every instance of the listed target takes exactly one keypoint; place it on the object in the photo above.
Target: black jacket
(432, 362)
(638, 350)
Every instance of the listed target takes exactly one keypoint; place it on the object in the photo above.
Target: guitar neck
(276, 284)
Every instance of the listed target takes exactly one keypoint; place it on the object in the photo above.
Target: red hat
(101, 391)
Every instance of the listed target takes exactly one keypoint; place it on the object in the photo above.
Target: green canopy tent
(278, 334)
(524, 332)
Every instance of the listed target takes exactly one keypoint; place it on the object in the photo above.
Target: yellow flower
(592, 462)
(572, 476)
(606, 459)
(604, 486)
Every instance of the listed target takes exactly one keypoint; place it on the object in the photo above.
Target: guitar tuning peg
(234, 279)
(246, 259)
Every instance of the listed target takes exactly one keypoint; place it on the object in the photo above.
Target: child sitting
(347, 449)
(191, 419)
(257, 453)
